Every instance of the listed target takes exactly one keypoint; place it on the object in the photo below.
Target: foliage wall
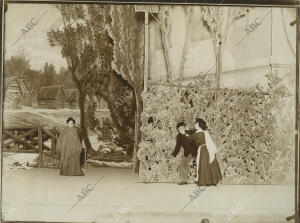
(250, 127)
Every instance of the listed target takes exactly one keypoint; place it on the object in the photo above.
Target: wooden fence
(29, 139)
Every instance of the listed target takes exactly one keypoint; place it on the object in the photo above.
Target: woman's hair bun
(71, 119)
(201, 123)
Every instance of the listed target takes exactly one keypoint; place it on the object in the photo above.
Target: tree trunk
(167, 58)
(84, 134)
(123, 130)
(218, 71)
(81, 101)
(185, 47)
(137, 132)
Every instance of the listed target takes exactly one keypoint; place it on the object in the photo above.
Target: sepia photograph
(126, 112)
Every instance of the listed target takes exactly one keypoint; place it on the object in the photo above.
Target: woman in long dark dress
(208, 169)
(69, 147)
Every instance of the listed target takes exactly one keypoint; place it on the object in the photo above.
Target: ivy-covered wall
(251, 128)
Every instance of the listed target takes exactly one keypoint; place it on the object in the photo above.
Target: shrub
(253, 134)
(106, 130)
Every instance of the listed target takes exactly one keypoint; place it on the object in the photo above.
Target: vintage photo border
(258, 3)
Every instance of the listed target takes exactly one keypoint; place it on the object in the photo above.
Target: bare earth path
(43, 195)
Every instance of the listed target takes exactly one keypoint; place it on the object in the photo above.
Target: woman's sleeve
(190, 137)
(59, 144)
(59, 129)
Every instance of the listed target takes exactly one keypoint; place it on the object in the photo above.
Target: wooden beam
(40, 146)
(19, 140)
(36, 142)
(46, 147)
(19, 151)
(21, 136)
(297, 118)
(48, 133)
(53, 146)
(16, 127)
(146, 66)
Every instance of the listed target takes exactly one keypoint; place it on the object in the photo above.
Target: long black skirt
(208, 173)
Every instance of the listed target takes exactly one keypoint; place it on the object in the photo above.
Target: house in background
(71, 98)
(57, 97)
(17, 93)
(27, 92)
(52, 97)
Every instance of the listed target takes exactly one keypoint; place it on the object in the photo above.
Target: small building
(17, 93)
(27, 92)
(52, 97)
(72, 96)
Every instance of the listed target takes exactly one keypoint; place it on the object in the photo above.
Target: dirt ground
(115, 195)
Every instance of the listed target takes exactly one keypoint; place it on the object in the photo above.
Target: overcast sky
(34, 42)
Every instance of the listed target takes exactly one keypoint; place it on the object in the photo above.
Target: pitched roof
(7, 82)
(50, 92)
(26, 89)
(71, 94)
(20, 84)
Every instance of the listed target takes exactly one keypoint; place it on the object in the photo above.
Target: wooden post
(146, 9)
(17, 145)
(85, 163)
(40, 146)
(297, 118)
(146, 75)
(36, 98)
(53, 146)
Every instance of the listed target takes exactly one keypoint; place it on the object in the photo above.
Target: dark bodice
(198, 138)
(188, 145)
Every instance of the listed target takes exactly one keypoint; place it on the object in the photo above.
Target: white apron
(211, 147)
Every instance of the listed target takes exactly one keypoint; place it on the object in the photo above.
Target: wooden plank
(19, 140)
(9, 140)
(46, 147)
(15, 133)
(53, 146)
(16, 127)
(19, 151)
(146, 65)
(49, 133)
(36, 142)
(21, 137)
(40, 146)
(147, 8)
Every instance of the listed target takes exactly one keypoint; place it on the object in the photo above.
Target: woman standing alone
(69, 147)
